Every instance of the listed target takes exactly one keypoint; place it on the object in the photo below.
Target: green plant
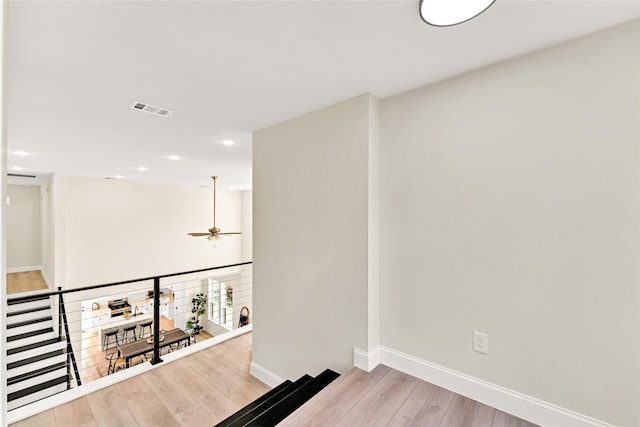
(199, 304)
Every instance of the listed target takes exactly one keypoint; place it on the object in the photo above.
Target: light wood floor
(25, 282)
(204, 388)
(386, 397)
(199, 390)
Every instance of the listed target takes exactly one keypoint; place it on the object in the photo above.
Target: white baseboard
(23, 269)
(265, 375)
(509, 401)
(366, 360)
(46, 279)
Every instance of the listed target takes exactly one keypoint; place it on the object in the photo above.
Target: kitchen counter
(117, 323)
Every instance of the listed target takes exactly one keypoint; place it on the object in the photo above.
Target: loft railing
(166, 300)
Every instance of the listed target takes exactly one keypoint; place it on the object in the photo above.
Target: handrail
(70, 354)
(60, 291)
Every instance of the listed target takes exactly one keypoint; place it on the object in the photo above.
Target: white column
(3, 206)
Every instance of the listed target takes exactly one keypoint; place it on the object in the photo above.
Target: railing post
(156, 321)
(59, 312)
(71, 357)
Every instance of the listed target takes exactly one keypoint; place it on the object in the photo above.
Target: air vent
(151, 109)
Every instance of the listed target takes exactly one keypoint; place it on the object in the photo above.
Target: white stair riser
(28, 316)
(37, 380)
(29, 305)
(28, 328)
(36, 365)
(34, 352)
(36, 396)
(30, 340)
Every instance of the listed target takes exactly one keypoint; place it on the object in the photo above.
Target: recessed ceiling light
(174, 158)
(17, 168)
(118, 177)
(142, 169)
(21, 153)
(232, 187)
(227, 141)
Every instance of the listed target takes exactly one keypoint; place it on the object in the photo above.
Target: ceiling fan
(214, 232)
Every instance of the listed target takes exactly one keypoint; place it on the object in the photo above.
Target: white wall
(310, 209)
(109, 230)
(24, 243)
(510, 205)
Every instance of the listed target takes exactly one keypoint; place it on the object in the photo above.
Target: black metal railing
(71, 357)
(63, 320)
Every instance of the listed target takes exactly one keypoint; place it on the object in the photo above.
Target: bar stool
(127, 330)
(107, 337)
(145, 325)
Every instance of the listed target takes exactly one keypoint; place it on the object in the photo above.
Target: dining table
(145, 345)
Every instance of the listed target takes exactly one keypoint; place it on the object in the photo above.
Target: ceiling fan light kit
(214, 233)
(444, 13)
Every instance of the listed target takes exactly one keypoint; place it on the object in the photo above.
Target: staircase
(280, 402)
(36, 356)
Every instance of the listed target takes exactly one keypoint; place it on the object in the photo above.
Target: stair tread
(242, 417)
(37, 372)
(33, 345)
(294, 400)
(34, 359)
(29, 334)
(29, 322)
(36, 388)
(28, 310)
(22, 300)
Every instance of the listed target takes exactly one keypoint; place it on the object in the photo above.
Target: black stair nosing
(269, 403)
(29, 310)
(22, 300)
(255, 404)
(29, 322)
(36, 388)
(29, 334)
(31, 346)
(294, 400)
(34, 359)
(36, 373)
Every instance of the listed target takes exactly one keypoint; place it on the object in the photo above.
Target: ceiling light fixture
(443, 13)
(142, 169)
(21, 153)
(17, 168)
(228, 142)
(174, 158)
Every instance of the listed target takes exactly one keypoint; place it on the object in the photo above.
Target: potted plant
(199, 303)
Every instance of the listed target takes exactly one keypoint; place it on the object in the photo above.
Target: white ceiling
(230, 68)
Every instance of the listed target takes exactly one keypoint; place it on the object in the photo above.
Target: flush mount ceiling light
(17, 168)
(142, 169)
(174, 157)
(443, 13)
(21, 153)
(152, 109)
(228, 141)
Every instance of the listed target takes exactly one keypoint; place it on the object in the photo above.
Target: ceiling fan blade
(225, 234)
(199, 234)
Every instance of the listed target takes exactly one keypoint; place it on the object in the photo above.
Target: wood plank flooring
(199, 390)
(386, 397)
(204, 388)
(25, 282)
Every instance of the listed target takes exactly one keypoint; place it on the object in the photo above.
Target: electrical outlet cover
(480, 342)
